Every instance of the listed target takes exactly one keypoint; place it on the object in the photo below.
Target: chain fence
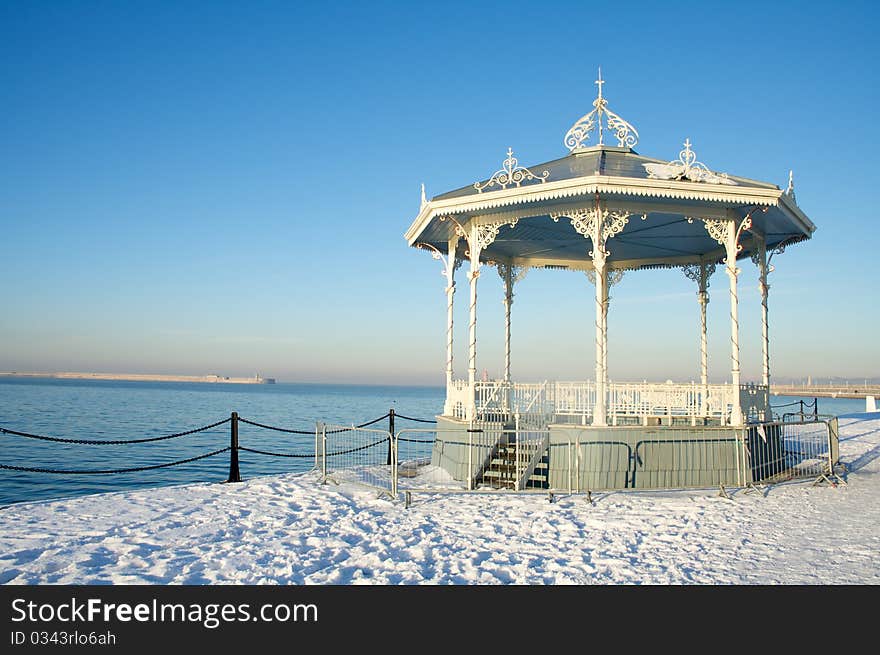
(806, 410)
(483, 456)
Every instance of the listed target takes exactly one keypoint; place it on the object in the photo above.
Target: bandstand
(603, 210)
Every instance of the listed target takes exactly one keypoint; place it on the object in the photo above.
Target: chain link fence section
(355, 455)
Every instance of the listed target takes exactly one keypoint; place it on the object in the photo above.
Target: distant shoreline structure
(143, 377)
(826, 391)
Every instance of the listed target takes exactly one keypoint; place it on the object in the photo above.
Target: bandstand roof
(666, 202)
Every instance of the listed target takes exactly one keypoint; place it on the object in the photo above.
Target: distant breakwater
(826, 391)
(142, 377)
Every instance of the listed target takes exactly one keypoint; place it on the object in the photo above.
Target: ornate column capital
(443, 259)
(510, 274)
(479, 237)
(700, 273)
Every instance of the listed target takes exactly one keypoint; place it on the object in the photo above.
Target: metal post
(394, 459)
(390, 432)
(741, 458)
(323, 453)
(568, 457)
(317, 432)
(518, 455)
(470, 471)
(234, 475)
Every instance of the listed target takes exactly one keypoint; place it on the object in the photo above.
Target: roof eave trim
(788, 204)
(587, 186)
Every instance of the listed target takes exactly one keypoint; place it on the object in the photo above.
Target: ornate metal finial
(424, 200)
(510, 173)
(687, 167)
(790, 190)
(577, 136)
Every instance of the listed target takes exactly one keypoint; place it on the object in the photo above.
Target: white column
(703, 296)
(731, 248)
(727, 233)
(598, 224)
(764, 289)
(506, 271)
(605, 301)
(700, 274)
(759, 256)
(598, 255)
(473, 274)
(704, 354)
(478, 237)
(450, 292)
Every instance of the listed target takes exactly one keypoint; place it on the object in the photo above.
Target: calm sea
(111, 410)
(118, 410)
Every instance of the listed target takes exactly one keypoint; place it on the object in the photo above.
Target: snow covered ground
(287, 529)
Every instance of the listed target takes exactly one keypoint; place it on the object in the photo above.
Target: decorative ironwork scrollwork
(694, 272)
(582, 220)
(717, 229)
(585, 221)
(485, 234)
(510, 173)
(577, 137)
(517, 273)
(687, 167)
(614, 276)
(439, 256)
(614, 226)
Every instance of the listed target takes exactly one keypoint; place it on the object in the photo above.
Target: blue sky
(194, 187)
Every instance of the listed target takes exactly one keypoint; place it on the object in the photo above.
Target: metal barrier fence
(792, 450)
(357, 455)
(578, 459)
(425, 460)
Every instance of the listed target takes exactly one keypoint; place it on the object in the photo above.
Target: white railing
(500, 401)
(458, 398)
(575, 399)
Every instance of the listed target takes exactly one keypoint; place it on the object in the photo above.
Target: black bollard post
(391, 432)
(234, 475)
